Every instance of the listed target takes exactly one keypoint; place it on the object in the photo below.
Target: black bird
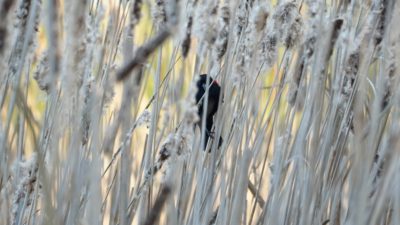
(214, 92)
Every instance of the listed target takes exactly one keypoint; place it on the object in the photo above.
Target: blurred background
(99, 121)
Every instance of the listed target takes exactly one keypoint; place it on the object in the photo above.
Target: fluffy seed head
(293, 33)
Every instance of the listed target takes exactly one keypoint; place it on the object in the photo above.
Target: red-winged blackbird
(214, 92)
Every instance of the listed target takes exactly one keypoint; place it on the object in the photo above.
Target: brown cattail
(187, 39)
(259, 17)
(337, 25)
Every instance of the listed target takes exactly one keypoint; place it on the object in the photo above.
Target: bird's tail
(210, 136)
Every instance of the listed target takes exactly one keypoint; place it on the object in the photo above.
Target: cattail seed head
(41, 74)
(269, 49)
(259, 17)
(241, 19)
(222, 39)
(187, 39)
(26, 172)
(389, 84)
(351, 70)
(22, 13)
(293, 33)
(159, 13)
(284, 16)
(136, 14)
(205, 27)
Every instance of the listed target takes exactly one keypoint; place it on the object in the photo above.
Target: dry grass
(97, 112)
